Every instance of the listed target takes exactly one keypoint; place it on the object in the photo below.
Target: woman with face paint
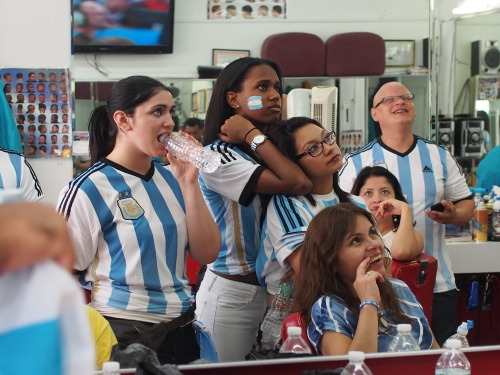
(245, 103)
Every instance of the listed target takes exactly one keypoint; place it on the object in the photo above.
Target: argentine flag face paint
(255, 102)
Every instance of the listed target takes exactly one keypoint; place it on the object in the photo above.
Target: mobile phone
(437, 207)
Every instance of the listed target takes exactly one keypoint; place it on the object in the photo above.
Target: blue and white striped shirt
(17, 174)
(283, 232)
(130, 236)
(330, 313)
(427, 174)
(236, 209)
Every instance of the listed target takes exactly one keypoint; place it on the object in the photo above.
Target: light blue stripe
(110, 235)
(35, 349)
(15, 160)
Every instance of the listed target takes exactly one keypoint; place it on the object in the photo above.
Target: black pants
(444, 315)
(178, 346)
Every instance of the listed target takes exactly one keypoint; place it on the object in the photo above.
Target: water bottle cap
(453, 344)
(294, 331)
(463, 328)
(356, 356)
(404, 327)
(111, 366)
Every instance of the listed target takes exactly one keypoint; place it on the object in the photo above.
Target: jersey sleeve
(455, 187)
(30, 185)
(347, 175)
(235, 178)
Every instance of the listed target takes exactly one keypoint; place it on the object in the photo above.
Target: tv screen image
(123, 26)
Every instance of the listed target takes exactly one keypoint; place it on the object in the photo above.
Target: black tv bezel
(134, 49)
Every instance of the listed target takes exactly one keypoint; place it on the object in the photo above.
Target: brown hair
(319, 273)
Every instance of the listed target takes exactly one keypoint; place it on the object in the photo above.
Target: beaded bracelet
(248, 132)
(369, 302)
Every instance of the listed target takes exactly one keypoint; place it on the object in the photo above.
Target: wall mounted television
(123, 26)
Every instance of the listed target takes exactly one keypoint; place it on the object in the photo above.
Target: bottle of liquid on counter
(452, 361)
(356, 365)
(461, 334)
(295, 345)
(279, 310)
(404, 341)
(203, 158)
(481, 223)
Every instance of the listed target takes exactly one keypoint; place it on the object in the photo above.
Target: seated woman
(341, 290)
(382, 193)
(315, 150)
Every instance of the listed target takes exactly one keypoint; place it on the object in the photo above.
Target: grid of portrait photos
(246, 9)
(351, 140)
(40, 100)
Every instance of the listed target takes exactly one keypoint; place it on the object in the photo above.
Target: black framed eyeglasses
(317, 148)
(391, 99)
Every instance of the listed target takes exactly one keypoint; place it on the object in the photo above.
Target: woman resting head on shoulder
(341, 290)
(382, 193)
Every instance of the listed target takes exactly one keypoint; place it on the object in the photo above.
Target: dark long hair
(231, 78)
(283, 137)
(377, 171)
(319, 264)
(126, 95)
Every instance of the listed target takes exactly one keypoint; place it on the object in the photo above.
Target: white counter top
(474, 257)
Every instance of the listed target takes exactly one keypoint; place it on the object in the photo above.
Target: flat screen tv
(123, 26)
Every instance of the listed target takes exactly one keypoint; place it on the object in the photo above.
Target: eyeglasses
(391, 99)
(317, 148)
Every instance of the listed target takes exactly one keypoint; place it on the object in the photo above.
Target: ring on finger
(369, 273)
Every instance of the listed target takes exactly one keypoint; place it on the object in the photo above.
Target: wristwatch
(257, 141)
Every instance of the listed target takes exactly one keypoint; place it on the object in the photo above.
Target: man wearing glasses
(428, 174)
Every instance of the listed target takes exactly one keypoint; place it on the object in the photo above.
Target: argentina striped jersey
(130, 237)
(236, 209)
(283, 232)
(427, 174)
(16, 173)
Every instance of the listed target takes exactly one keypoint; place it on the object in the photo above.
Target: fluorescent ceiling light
(476, 6)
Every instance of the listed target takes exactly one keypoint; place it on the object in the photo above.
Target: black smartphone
(437, 207)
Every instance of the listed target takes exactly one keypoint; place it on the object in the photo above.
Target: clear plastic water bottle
(461, 334)
(203, 158)
(356, 365)
(111, 368)
(404, 341)
(452, 361)
(294, 343)
(279, 310)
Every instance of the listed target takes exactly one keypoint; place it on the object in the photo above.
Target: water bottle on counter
(404, 341)
(462, 331)
(452, 361)
(185, 149)
(294, 344)
(279, 310)
(356, 365)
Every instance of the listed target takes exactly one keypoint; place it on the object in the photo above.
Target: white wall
(195, 36)
(37, 34)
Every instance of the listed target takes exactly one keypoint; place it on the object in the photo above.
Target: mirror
(475, 36)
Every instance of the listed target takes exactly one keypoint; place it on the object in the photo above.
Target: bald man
(428, 174)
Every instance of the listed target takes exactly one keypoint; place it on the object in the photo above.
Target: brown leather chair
(355, 54)
(297, 54)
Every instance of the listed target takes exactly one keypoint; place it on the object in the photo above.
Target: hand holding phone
(437, 207)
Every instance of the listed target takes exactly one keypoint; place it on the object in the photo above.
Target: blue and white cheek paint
(255, 102)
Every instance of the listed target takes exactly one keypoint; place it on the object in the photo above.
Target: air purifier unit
(298, 103)
(324, 104)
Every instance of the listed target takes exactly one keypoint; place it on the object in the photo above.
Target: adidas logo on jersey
(427, 169)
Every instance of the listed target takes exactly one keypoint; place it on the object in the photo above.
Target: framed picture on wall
(399, 53)
(222, 57)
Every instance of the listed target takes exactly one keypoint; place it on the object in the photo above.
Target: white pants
(231, 311)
